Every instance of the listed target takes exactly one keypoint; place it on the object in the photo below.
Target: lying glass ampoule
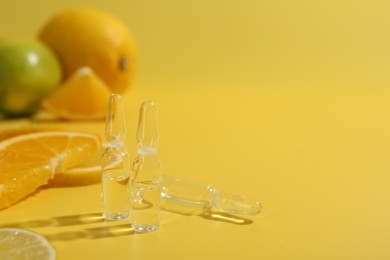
(147, 175)
(115, 163)
(179, 192)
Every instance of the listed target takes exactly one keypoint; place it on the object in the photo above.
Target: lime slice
(23, 244)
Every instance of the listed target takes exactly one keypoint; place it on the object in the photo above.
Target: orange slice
(26, 129)
(29, 161)
(78, 176)
(82, 96)
(89, 172)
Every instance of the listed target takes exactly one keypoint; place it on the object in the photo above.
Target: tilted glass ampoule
(115, 163)
(147, 174)
(179, 193)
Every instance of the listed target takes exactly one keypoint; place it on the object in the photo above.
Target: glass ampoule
(147, 174)
(115, 163)
(179, 192)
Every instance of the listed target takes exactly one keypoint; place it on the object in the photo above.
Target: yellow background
(285, 101)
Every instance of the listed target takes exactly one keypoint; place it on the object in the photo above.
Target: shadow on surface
(59, 221)
(206, 214)
(107, 229)
(225, 217)
(94, 233)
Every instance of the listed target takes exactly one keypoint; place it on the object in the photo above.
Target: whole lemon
(29, 71)
(88, 37)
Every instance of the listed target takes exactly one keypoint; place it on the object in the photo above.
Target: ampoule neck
(148, 156)
(147, 150)
(114, 145)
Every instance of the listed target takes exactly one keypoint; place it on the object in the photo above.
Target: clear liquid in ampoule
(146, 199)
(116, 194)
(147, 173)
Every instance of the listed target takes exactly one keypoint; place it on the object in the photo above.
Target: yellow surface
(285, 101)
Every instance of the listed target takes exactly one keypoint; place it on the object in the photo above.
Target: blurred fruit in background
(82, 96)
(88, 37)
(29, 71)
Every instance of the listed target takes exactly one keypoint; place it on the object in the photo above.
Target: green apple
(29, 71)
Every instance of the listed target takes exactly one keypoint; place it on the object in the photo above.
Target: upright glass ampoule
(147, 174)
(115, 163)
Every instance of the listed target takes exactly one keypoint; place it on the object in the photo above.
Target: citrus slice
(26, 129)
(89, 172)
(78, 176)
(82, 96)
(29, 161)
(23, 244)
